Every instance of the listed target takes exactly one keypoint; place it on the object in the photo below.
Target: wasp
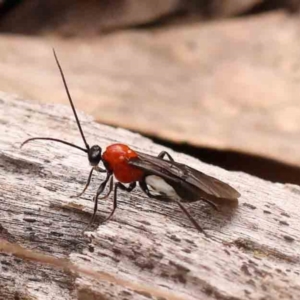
(160, 177)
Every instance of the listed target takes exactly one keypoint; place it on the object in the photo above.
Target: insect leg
(89, 180)
(86, 185)
(210, 203)
(124, 188)
(162, 154)
(111, 184)
(99, 191)
(100, 170)
(145, 189)
(197, 226)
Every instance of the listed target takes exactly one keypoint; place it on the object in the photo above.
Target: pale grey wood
(252, 253)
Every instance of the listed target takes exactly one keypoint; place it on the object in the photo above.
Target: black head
(94, 155)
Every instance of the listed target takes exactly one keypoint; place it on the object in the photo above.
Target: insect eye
(94, 155)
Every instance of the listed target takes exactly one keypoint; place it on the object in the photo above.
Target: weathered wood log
(149, 248)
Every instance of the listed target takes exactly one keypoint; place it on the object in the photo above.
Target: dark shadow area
(291, 6)
(264, 168)
(7, 5)
(47, 14)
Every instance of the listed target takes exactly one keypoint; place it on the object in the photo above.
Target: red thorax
(116, 158)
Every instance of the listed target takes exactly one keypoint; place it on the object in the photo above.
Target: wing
(179, 174)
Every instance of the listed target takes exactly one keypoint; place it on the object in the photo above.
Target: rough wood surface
(252, 253)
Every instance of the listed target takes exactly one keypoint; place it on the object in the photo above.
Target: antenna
(70, 99)
(55, 140)
(75, 114)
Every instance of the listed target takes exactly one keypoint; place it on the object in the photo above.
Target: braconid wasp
(160, 178)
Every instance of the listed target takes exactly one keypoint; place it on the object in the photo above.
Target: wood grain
(253, 251)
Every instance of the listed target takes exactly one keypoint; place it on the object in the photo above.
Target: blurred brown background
(216, 79)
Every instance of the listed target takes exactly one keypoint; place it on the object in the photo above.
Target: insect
(159, 178)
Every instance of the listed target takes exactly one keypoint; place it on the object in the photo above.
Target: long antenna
(55, 140)
(70, 99)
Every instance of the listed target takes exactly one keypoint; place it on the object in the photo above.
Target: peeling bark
(252, 253)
